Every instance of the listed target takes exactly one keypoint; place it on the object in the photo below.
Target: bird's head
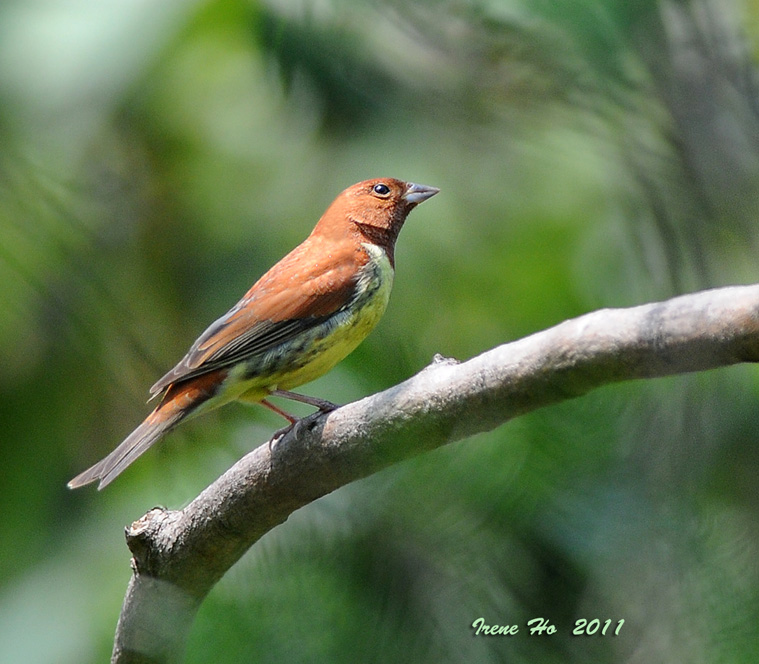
(374, 209)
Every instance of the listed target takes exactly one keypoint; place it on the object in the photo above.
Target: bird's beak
(417, 193)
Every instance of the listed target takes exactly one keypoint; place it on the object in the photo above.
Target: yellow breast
(324, 346)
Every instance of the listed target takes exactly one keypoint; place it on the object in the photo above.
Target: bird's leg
(290, 418)
(322, 404)
(279, 432)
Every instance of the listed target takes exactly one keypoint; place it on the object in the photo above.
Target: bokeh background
(157, 157)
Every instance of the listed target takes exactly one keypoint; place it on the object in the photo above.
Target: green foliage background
(157, 157)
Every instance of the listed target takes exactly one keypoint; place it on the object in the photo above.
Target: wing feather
(294, 296)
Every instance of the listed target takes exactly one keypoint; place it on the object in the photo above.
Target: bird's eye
(381, 189)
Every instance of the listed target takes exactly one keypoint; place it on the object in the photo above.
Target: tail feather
(179, 401)
(153, 428)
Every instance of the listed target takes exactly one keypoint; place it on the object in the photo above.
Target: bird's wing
(294, 296)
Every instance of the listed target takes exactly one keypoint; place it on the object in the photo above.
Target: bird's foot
(280, 433)
(322, 404)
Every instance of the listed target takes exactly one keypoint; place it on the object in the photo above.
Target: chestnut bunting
(297, 321)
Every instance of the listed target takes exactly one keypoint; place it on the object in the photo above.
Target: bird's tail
(179, 401)
(156, 425)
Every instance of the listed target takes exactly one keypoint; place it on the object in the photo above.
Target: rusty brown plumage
(298, 320)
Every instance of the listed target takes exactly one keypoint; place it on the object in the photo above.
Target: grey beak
(417, 193)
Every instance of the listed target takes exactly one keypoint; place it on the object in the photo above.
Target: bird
(301, 318)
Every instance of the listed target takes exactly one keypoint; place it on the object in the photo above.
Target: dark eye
(381, 189)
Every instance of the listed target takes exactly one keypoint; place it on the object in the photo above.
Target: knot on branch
(439, 359)
(142, 540)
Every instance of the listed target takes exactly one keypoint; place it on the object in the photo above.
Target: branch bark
(178, 556)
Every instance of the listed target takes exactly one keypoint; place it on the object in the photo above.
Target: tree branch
(180, 555)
